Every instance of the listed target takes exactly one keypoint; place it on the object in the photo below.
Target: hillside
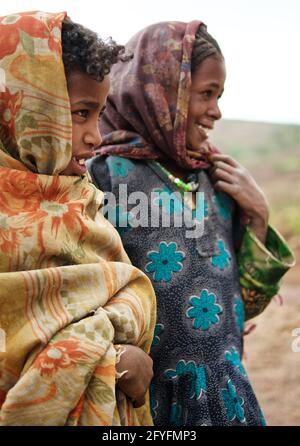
(272, 154)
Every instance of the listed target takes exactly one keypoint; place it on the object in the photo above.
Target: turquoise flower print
(233, 357)
(197, 374)
(120, 219)
(222, 260)
(182, 368)
(119, 167)
(169, 200)
(153, 402)
(176, 415)
(164, 262)
(233, 403)
(224, 205)
(204, 310)
(159, 328)
(199, 383)
(239, 310)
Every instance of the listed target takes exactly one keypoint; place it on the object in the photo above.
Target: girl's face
(207, 88)
(87, 99)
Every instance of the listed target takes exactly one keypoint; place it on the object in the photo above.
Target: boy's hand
(136, 381)
(231, 177)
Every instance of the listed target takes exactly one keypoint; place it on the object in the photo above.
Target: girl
(69, 296)
(163, 104)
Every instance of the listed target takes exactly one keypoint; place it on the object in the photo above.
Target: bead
(186, 187)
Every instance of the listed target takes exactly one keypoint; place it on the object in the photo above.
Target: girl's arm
(263, 256)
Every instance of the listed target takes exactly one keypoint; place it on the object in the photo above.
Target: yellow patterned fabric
(68, 293)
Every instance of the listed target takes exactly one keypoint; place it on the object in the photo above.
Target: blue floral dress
(199, 378)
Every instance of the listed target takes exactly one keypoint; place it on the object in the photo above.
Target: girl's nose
(215, 111)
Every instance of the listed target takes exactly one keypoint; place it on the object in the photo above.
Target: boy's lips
(76, 168)
(85, 155)
(78, 162)
(81, 159)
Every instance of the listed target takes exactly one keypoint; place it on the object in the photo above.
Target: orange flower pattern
(13, 27)
(10, 105)
(57, 204)
(64, 354)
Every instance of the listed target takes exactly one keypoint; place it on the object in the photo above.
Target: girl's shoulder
(99, 172)
(107, 171)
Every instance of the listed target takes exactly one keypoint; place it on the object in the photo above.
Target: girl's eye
(207, 93)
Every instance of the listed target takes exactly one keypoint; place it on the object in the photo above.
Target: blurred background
(260, 128)
(272, 153)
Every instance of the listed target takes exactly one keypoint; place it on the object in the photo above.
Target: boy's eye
(81, 113)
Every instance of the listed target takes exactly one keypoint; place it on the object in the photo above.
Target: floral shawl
(146, 114)
(68, 293)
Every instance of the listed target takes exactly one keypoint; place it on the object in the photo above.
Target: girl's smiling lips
(204, 130)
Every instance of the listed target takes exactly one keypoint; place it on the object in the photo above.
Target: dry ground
(271, 363)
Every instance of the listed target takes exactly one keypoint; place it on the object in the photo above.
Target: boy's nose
(93, 137)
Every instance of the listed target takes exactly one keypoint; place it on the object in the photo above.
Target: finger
(220, 174)
(192, 154)
(196, 155)
(224, 158)
(223, 166)
(228, 188)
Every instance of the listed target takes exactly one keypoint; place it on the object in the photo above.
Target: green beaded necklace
(192, 186)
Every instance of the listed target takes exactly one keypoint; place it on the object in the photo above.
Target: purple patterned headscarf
(147, 109)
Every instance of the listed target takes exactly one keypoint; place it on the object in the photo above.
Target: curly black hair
(204, 46)
(85, 51)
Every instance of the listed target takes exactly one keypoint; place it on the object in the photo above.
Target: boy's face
(207, 88)
(87, 99)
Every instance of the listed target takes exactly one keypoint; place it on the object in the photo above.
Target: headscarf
(68, 293)
(146, 113)
(36, 128)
